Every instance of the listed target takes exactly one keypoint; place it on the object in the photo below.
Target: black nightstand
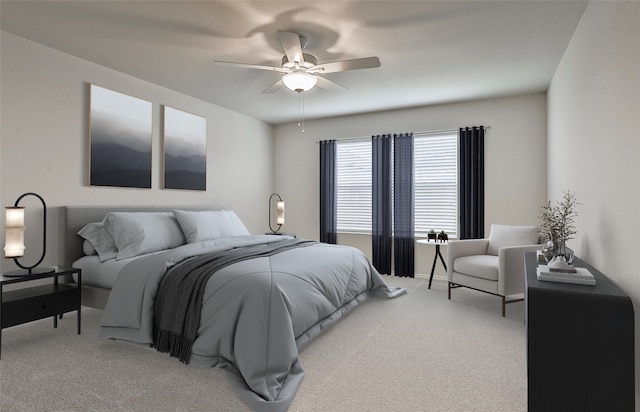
(38, 302)
(281, 234)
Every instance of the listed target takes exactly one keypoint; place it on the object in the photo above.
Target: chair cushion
(503, 235)
(479, 266)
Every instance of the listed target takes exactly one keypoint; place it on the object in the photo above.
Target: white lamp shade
(14, 232)
(14, 217)
(280, 213)
(299, 81)
(14, 242)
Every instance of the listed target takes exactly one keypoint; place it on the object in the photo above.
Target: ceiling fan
(302, 71)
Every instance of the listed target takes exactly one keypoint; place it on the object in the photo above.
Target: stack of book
(579, 276)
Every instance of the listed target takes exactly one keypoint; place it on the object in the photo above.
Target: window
(354, 186)
(435, 180)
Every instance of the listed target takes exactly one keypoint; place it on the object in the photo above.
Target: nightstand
(281, 234)
(37, 302)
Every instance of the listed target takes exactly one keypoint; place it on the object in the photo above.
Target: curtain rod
(347, 139)
(448, 130)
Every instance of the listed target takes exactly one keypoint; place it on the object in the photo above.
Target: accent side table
(435, 256)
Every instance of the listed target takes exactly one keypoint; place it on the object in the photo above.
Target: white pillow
(503, 235)
(137, 233)
(198, 226)
(101, 241)
(237, 228)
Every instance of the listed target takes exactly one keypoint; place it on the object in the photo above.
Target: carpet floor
(418, 352)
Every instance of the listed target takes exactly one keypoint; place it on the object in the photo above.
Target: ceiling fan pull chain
(299, 115)
(302, 97)
(301, 109)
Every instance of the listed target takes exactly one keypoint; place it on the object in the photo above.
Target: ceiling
(432, 52)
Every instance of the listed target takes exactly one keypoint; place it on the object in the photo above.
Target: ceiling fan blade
(253, 66)
(331, 85)
(344, 65)
(277, 86)
(291, 45)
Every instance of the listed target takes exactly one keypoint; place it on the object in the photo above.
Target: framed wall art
(119, 139)
(185, 150)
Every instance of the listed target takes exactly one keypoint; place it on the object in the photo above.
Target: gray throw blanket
(178, 302)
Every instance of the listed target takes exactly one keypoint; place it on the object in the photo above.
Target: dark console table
(580, 344)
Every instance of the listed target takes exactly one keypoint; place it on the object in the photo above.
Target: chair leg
(451, 285)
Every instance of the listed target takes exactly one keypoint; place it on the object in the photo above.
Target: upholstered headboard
(75, 217)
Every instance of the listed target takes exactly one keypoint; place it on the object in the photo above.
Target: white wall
(594, 144)
(515, 151)
(44, 143)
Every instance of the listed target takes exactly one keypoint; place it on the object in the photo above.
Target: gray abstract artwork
(120, 139)
(185, 150)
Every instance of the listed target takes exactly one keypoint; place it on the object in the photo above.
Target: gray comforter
(256, 314)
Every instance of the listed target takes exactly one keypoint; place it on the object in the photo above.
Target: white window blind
(435, 182)
(354, 186)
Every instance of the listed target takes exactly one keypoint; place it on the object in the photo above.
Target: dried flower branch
(557, 221)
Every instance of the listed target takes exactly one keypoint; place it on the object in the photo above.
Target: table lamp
(14, 237)
(279, 212)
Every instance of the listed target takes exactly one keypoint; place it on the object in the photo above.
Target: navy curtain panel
(471, 175)
(403, 206)
(381, 203)
(328, 195)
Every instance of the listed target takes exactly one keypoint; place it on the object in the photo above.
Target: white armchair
(494, 265)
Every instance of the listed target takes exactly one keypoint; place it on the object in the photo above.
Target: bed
(191, 281)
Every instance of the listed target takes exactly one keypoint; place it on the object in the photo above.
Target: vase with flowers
(558, 226)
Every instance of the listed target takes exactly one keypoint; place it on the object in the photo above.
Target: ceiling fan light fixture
(299, 81)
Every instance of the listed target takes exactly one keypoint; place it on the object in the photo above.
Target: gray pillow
(199, 226)
(236, 227)
(101, 241)
(138, 233)
(88, 248)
